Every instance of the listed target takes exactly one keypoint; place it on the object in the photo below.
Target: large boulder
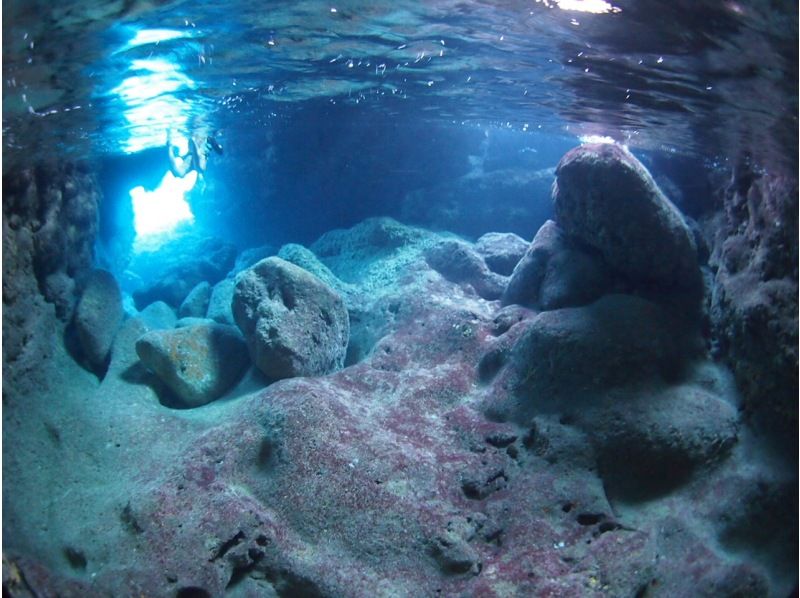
(294, 324)
(198, 363)
(606, 198)
(97, 317)
(573, 355)
(554, 273)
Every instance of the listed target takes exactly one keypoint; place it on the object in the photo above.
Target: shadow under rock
(140, 375)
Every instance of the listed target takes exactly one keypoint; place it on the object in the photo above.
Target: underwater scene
(453, 298)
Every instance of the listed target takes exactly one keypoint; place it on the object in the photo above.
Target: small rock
(294, 324)
(98, 316)
(459, 263)
(501, 251)
(219, 304)
(198, 363)
(158, 315)
(196, 303)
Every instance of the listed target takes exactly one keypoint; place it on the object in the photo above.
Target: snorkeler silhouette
(195, 159)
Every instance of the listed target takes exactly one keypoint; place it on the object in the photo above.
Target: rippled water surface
(93, 78)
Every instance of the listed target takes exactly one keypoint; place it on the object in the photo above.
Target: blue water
(329, 112)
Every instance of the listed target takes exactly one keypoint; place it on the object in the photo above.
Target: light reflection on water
(698, 75)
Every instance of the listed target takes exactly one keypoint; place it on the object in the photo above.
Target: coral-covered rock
(294, 324)
(219, 304)
(606, 198)
(196, 303)
(198, 363)
(98, 316)
(554, 273)
(501, 251)
(458, 262)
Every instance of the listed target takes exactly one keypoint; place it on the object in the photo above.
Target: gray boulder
(219, 304)
(196, 303)
(554, 273)
(198, 363)
(620, 340)
(650, 442)
(458, 262)
(501, 251)
(606, 198)
(98, 316)
(294, 324)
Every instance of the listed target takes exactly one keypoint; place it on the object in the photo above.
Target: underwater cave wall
(50, 221)
(753, 301)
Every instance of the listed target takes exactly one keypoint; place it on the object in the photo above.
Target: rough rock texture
(49, 228)
(97, 317)
(554, 273)
(501, 251)
(399, 475)
(607, 199)
(198, 363)
(754, 297)
(294, 324)
(196, 303)
(219, 304)
(458, 262)
(207, 260)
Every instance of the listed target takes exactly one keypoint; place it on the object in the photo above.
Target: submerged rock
(198, 363)
(570, 355)
(294, 324)
(98, 316)
(211, 260)
(554, 273)
(219, 304)
(458, 262)
(606, 198)
(501, 251)
(158, 315)
(196, 303)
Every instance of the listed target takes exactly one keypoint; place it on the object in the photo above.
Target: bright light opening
(158, 213)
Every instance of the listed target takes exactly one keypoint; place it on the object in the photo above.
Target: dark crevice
(227, 545)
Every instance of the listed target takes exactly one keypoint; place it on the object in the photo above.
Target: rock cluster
(573, 439)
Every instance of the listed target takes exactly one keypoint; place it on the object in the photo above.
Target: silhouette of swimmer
(195, 159)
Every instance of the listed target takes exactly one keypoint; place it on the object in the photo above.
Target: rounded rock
(294, 324)
(606, 198)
